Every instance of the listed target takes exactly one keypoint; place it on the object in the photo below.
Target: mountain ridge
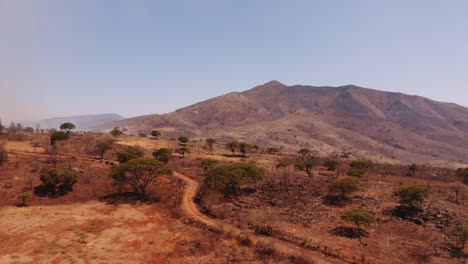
(390, 125)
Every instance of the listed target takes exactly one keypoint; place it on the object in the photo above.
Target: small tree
(58, 179)
(163, 155)
(412, 168)
(210, 143)
(244, 148)
(359, 217)
(116, 132)
(3, 153)
(232, 146)
(67, 127)
(463, 173)
(183, 140)
(129, 154)
(139, 173)
(208, 164)
(23, 197)
(1, 127)
(413, 196)
(306, 160)
(103, 145)
(182, 150)
(12, 127)
(58, 136)
(156, 134)
(460, 234)
(362, 164)
(343, 186)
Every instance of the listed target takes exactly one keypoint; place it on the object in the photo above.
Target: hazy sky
(135, 57)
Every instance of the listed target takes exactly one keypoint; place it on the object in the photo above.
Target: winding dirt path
(189, 207)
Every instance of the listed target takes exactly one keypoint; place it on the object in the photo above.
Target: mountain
(385, 125)
(82, 123)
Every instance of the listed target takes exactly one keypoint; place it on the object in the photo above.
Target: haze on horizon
(62, 58)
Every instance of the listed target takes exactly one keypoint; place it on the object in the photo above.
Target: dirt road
(189, 207)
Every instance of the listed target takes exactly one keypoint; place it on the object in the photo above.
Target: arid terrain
(286, 217)
(389, 127)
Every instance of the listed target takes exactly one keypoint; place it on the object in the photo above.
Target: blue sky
(60, 57)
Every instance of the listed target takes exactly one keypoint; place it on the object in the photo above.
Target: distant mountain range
(82, 123)
(385, 125)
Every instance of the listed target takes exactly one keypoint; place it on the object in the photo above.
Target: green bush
(358, 173)
(359, 217)
(460, 234)
(58, 136)
(163, 155)
(413, 195)
(129, 154)
(343, 186)
(331, 164)
(228, 178)
(56, 179)
(362, 164)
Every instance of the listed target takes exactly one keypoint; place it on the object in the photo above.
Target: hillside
(387, 126)
(83, 123)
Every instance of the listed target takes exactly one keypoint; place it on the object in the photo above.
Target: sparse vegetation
(460, 234)
(23, 197)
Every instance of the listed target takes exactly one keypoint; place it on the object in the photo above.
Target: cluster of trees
(243, 147)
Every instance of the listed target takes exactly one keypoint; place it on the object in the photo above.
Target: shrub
(116, 132)
(460, 234)
(23, 197)
(208, 164)
(3, 153)
(102, 146)
(463, 173)
(56, 179)
(58, 136)
(362, 164)
(331, 164)
(163, 155)
(343, 186)
(228, 178)
(129, 153)
(358, 173)
(413, 195)
(156, 134)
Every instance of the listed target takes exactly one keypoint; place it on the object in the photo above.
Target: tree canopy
(139, 173)
(67, 127)
(306, 160)
(58, 136)
(413, 195)
(227, 178)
